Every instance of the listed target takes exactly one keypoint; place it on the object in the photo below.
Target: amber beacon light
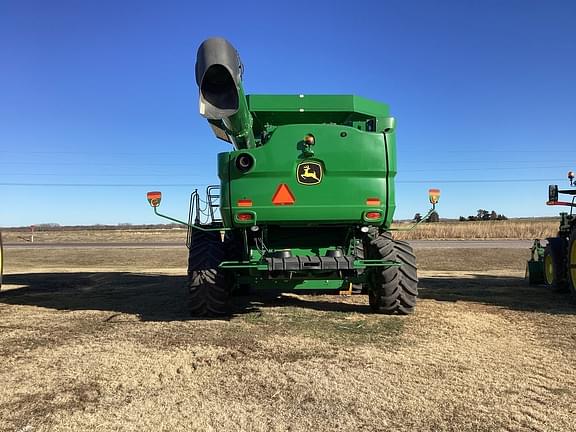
(154, 198)
(434, 196)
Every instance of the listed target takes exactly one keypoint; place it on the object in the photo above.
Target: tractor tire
(393, 289)
(534, 273)
(209, 294)
(555, 264)
(571, 267)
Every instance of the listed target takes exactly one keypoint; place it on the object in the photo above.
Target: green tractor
(306, 197)
(555, 264)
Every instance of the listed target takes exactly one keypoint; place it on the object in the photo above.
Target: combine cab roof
(298, 109)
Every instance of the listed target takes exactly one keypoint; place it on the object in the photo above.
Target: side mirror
(434, 196)
(154, 198)
(552, 193)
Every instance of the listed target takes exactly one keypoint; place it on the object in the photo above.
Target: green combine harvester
(555, 264)
(306, 197)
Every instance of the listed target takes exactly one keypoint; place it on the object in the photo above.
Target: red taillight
(244, 203)
(373, 202)
(373, 215)
(244, 217)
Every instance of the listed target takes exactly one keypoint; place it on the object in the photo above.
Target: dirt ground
(99, 339)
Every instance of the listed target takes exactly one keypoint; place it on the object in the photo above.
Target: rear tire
(555, 264)
(393, 289)
(209, 292)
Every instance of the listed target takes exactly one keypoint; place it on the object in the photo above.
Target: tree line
(481, 215)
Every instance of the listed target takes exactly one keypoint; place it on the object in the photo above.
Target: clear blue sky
(103, 93)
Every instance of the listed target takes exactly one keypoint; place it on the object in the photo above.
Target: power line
(402, 172)
(106, 153)
(516, 151)
(429, 162)
(484, 169)
(98, 175)
(432, 181)
(156, 165)
(142, 153)
(482, 181)
(93, 163)
(432, 162)
(104, 184)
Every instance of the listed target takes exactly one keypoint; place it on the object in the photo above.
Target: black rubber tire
(571, 263)
(394, 289)
(534, 279)
(555, 254)
(209, 294)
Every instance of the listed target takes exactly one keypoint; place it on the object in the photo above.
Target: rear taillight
(244, 217)
(373, 215)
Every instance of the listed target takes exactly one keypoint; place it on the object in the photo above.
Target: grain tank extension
(306, 196)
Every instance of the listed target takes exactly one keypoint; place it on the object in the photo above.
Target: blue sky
(103, 93)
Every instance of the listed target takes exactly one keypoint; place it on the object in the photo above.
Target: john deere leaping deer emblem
(309, 173)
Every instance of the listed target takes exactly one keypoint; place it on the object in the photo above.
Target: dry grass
(108, 347)
(98, 236)
(473, 260)
(510, 229)
(98, 259)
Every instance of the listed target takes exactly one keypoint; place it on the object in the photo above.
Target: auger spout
(222, 99)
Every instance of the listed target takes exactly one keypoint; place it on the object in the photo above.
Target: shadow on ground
(152, 297)
(503, 291)
(149, 296)
(163, 297)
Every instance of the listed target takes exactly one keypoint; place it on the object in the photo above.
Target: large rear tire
(393, 289)
(555, 264)
(209, 292)
(572, 263)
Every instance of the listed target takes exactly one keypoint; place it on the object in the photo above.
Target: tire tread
(393, 289)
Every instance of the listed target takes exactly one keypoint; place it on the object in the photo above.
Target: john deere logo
(309, 173)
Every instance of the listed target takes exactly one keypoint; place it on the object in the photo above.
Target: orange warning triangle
(283, 196)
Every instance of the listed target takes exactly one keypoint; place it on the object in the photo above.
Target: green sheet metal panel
(356, 165)
(298, 109)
